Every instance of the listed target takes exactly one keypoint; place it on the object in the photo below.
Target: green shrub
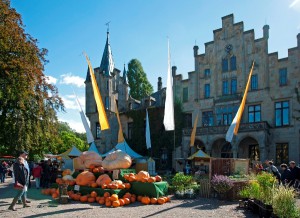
(182, 182)
(284, 203)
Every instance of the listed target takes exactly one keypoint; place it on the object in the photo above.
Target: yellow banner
(100, 107)
(193, 135)
(120, 133)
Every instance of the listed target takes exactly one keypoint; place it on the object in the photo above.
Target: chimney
(266, 31)
(174, 68)
(196, 48)
(159, 84)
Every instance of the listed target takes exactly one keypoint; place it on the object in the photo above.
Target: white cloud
(295, 5)
(70, 102)
(76, 125)
(70, 79)
(51, 79)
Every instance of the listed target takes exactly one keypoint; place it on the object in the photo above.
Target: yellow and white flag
(234, 127)
(193, 135)
(101, 111)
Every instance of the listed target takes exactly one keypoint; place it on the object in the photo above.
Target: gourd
(142, 175)
(85, 178)
(90, 158)
(103, 179)
(117, 160)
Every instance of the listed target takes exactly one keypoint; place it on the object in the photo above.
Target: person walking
(24, 155)
(21, 177)
(37, 173)
(3, 171)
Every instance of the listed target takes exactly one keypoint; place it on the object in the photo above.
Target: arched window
(233, 63)
(226, 151)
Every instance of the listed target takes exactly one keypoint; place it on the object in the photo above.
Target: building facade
(269, 128)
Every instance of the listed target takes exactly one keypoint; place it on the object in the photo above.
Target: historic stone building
(269, 128)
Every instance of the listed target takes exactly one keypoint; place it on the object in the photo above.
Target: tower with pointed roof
(114, 92)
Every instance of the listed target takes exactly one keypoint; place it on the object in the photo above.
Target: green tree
(28, 103)
(137, 80)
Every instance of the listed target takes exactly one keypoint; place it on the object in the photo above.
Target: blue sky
(139, 29)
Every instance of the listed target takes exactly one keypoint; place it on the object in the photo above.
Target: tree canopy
(139, 85)
(28, 103)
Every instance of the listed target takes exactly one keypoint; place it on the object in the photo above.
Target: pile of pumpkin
(113, 200)
(51, 191)
(142, 176)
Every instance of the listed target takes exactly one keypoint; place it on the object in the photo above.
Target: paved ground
(44, 206)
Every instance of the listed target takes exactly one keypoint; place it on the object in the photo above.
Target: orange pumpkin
(168, 199)
(122, 202)
(54, 195)
(93, 194)
(94, 185)
(71, 182)
(121, 186)
(145, 200)
(66, 172)
(103, 186)
(151, 179)
(142, 175)
(139, 198)
(153, 200)
(158, 178)
(91, 199)
(117, 160)
(101, 200)
(127, 195)
(85, 178)
(76, 197)
(106, 194)
(114, 186)
(96, 170)
(126, 176)
(98, 198)
(59, 181)
(83, 198)
(161, 200)
(108, 203)
(132, 199)
(127, 200)
(127, 185)
(132, 178)
(52, 190)
(116, 203)
(114, 197)
(103, 179)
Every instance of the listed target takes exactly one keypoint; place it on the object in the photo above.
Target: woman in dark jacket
(20, 176)
(286, 175)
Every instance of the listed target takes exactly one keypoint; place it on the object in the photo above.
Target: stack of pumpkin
(142, 176)
(51, 191)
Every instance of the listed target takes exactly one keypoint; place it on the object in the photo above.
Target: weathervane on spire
(107, 24)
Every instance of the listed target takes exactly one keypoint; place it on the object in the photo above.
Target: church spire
(124, 74)
(107, 63)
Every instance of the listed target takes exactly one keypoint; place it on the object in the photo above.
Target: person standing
(295, 172)
(21, 176)
(24, 155)
(37, 173)
(272, 169)
(286, 175)
(3, 171)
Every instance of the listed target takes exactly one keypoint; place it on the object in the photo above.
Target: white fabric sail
(169, 104)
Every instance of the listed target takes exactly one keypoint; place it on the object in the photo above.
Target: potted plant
(221, 184)
(181, 183)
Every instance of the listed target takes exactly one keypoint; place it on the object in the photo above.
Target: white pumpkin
(117, 160)
(67, 177)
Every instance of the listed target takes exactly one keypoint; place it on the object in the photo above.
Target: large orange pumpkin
(145, 200)
(85, 178)
(66, 172)
(103, 179)
(94, 185)
(91, 199)
(151, 179)
(54, 195)
(142, 175)
(90, 158)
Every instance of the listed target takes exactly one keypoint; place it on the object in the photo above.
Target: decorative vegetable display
(85, 178)
(117, 160)
(103, 179)
(142, 176)
(91, 158)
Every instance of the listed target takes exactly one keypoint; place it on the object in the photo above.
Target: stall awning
(198, 154)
